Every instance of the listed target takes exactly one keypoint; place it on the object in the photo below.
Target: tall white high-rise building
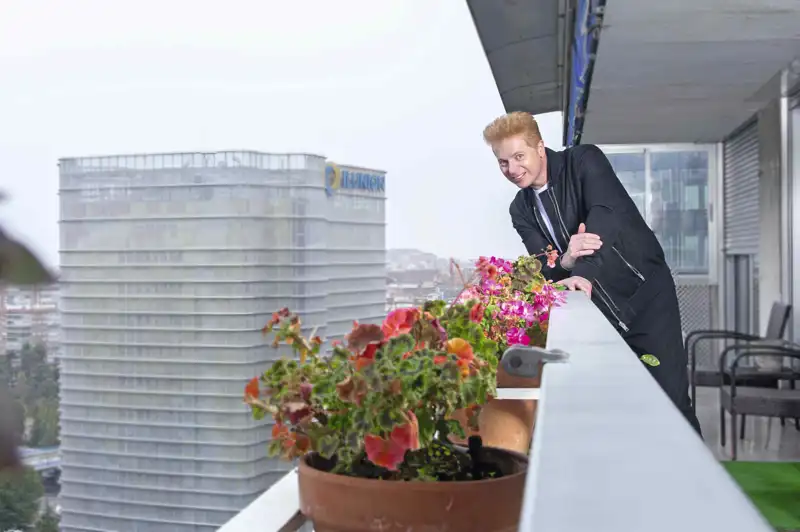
(170, 266)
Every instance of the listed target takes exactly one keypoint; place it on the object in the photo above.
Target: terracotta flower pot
(505, 423)
(336, 503)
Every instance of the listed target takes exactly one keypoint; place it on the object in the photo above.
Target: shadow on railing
(610, 452)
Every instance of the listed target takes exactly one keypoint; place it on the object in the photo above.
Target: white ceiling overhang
(521, 39)
(686, 70)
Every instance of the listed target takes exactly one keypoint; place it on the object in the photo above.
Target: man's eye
(518, 157)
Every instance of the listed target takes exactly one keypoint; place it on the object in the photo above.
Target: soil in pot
(505, 423)
(339, 503)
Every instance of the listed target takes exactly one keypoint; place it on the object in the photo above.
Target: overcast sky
(400, 85)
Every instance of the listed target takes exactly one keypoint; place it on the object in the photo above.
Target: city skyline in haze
(403, 86)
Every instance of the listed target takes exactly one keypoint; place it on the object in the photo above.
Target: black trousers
(656, 331)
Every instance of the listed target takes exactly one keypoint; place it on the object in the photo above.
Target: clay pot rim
(384, 485)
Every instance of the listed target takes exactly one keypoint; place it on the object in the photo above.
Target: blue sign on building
(336, 178)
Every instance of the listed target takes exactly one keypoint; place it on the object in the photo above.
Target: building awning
(521, 39)
(686, 70)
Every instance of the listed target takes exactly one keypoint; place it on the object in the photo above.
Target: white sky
(400, 85)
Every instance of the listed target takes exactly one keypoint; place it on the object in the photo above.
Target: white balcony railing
(610, 452)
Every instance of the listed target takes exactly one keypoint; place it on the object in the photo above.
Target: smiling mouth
(519, 177)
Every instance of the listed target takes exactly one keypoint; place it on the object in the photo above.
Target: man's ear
(540, 148)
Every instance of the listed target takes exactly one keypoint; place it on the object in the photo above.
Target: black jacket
(630, 269)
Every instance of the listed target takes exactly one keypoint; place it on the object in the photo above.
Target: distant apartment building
(29, 315)
(170, 266)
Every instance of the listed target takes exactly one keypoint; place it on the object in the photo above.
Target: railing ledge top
(610, 451)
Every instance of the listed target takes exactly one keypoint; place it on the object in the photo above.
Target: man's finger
(569, 285)
(585, 286)
(581, 228)
(584, 252)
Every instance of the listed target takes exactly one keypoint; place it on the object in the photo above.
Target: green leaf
(385, 420)
(360, 421)
(399, 345)
(326, 446)
(447, 427)
(450, 371)
(353, 439)
(427, 427)
(274, 448)
(454, 427)
(410, 366)
(436, 307)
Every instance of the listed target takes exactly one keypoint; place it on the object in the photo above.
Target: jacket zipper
(544, 231)
(562, 226)
(630, 266)
(609, 302)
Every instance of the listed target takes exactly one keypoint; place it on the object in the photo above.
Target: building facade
(170, 266)
(29, 315)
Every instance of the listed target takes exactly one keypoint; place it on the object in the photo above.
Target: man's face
(522, 164)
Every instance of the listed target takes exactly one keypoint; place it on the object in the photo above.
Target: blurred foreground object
(8, 437)
(18, 265)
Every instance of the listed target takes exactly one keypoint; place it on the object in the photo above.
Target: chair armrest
(779, 352)
(786, 349)
(717, 334)
(694, 337)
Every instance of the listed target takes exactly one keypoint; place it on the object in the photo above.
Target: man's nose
(514, 168)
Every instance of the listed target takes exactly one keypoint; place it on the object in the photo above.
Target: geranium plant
(380, 405)
(515, 298)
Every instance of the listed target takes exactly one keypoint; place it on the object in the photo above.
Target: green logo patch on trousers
(650, 360)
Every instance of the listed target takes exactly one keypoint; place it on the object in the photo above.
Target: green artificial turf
(774, 487)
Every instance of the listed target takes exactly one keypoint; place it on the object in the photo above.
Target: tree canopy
(20, 492)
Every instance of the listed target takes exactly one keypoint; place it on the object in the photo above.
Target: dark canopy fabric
(520, 39)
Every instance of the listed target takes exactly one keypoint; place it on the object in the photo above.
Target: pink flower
(517, 336)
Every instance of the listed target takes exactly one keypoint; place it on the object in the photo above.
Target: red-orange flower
(460, 348)
(552, 255)
(361, 363)
(383, 452)
(367, 357)
(487, 269)
(439, 359)
(463, 367)
(279, 431)
(390, 452)
(399, 321)
(407, 435)
(476, 312)
(251, 391)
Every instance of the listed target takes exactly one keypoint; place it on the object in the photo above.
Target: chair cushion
(746, 376)
(761, 401)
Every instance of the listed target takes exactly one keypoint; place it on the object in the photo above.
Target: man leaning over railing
(573, 201)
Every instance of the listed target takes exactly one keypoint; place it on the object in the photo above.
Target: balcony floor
(765, 439)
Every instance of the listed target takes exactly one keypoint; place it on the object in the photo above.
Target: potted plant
(516, 301)
(371, 424)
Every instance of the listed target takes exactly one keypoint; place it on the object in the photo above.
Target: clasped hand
(581, 244)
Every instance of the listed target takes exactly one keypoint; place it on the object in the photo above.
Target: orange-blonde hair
(512, 124)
